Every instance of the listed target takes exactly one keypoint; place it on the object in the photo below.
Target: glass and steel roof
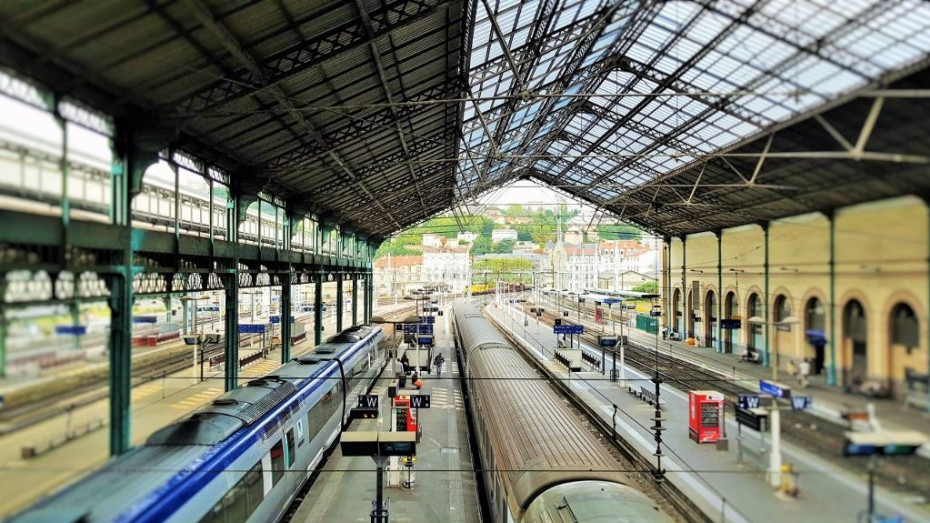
(599, 98)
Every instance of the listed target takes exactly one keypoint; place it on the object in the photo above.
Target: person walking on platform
(803, 372)
(438, 361)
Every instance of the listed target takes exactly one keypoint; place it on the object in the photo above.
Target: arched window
(782, 308)
(755, 329)
(905, 329)
(815, 315)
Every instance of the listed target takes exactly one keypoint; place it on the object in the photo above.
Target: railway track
(908, 475)
(667, 490)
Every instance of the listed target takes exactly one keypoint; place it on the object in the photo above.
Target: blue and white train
(241, 458)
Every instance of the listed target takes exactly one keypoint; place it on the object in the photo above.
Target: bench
(646, 395)
(592, 360)
(750, 356)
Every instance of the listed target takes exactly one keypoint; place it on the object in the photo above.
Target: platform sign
(608, 341)
(410, 328)
(144, 319)
(730, 324)
(425, 328)
(419, 401)
(655, 313)
(749, 401)
(425, 340)
(568, 329)
(398, 327)
(801, 402)
(565, 313)
(367, 401)
(276, 318)
(71, 330)
(427, 319)
(248, 328)
(750, 419)
(776, 390)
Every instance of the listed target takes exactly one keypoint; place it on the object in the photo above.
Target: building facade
(398, 275)
(447, 267)
(849, 293)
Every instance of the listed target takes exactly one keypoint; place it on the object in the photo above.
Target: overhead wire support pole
(339, 302)
(318, 309)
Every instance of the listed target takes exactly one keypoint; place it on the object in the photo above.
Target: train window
(254, 486)
(215, 515)
(277, 462)
(291, 448)
(236, 504)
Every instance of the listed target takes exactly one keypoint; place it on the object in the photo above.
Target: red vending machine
(705, 415)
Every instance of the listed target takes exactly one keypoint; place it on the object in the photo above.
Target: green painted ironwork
(285, 319)
(684, 288)
(2, 344)
(318, 310)
(719, 291)
(231, 333)
(766, 355)
(354, 300)
(120, 353)
(339, 300)
(831, 375)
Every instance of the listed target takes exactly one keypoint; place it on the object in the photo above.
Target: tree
(650, 287)
(524, 236)
(504, 247)
(481, 245)
(487, 225)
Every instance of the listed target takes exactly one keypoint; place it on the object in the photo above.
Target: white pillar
(775, 452)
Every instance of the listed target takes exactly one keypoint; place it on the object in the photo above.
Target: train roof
(475, 330)
(183, 445)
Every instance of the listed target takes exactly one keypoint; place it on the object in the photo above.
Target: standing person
(438, 361)
(805, 370)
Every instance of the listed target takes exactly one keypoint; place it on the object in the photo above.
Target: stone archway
(730, 311)
(710, 318)
(754, 339)
(855, 342)
(677, 316)
(815, 324)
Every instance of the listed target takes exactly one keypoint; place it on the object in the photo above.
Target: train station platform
(829, 402)
(729, 485)
(445, 487)
(154, 404)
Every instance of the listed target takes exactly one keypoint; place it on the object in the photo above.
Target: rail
(685, 506)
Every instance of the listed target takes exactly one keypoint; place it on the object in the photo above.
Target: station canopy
(678, 116)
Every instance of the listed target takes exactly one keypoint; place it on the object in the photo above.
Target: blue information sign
(425, 328)
(277, 319)
(568, 329)
(71, 330)
(410, 328)
(730, 324)
(248, 328)
(144, 319)
(775, 389)
(427, 319)
(801, 402)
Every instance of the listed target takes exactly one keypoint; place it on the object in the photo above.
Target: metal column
(286, 318)
(231, 332)
(2, 344)
(318, 310)
(370, 297)
(354, 300)
(120, 352)
(719, 291)
(339, 299)
(766, 355)
(684, 289)
(831, 375)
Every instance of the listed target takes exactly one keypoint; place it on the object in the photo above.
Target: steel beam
(286, 318)
(318, 310)
(231, 332)
(120, 353)
(354, 300)
(339, 300)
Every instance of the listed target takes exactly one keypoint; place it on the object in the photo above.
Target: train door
(290, 458)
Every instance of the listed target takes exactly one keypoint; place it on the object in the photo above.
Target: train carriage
(241, 458)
